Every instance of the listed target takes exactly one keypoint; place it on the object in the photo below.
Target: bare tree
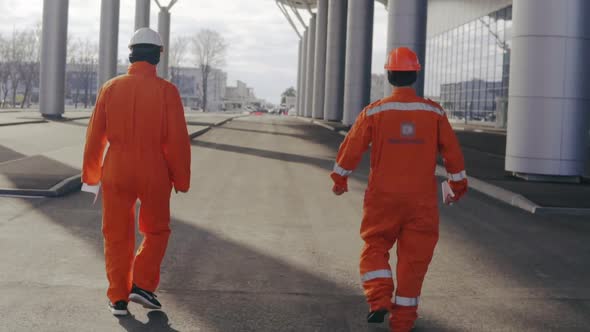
(209, 48)
(83, 60)
(4, 69)
(178, 50)
(29, 65)
(15, 58)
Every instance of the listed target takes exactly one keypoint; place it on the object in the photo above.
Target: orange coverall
(406, 133)
(142, 118)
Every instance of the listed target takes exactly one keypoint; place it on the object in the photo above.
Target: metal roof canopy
(295, 5)
(310, 3)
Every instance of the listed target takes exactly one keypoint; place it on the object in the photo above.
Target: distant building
(188, 80)
(290, 102)
(189, 83)
(240, 96)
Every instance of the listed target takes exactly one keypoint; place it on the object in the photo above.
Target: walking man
(141, 117)
(406, 133)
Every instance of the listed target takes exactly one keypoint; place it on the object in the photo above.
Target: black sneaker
(119, 308)
(145, 298)
(376, 316)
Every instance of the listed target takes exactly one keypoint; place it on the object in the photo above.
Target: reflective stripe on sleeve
(458, 176)
(376, 274)
(407, 301)
(341, 171)
(397, 106)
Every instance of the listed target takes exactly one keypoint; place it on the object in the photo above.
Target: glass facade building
(468, 67)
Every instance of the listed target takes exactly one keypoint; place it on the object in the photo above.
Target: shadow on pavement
(319, 162)
(19, 171)
(7, 154)
(158, 321)
(35, 172)
(265, 132)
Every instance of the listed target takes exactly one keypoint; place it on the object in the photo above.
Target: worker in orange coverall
(141, 117)
(406, 133)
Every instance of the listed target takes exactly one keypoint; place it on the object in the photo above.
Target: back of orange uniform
(405, 133)
(142, 118)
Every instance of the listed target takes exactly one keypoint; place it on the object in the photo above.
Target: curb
(199, 133)
(490, 190)
(69, 185)
(75, 118)
(324, 125)
(19, 123)
(22, 123)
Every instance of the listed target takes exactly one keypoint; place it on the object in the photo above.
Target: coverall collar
(404, 91)
(142, 68)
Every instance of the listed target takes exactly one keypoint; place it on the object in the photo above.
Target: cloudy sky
(262, 45)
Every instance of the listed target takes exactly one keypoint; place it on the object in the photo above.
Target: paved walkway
(261, 244)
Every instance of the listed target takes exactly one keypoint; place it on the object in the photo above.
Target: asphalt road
(261, 244)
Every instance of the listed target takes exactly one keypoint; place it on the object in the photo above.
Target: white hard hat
(145, 36)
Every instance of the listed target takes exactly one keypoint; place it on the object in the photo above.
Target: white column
(142, 14)
(406, 26)
(299, 66)
(335, 58)
(549, 91)
(310, 66)
(108, 43)
(320, 59)
(304, 65)
(53, 58)
(164, 30)
(359, 50)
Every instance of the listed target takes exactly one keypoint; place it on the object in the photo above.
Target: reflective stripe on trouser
(407, 301)
(412, 222)
(415, 249)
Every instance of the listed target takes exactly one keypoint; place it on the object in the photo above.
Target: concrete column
(320, 60)
(335, 57)
(359, 50)
(549, 91)
(142, 14)
(53, 58)
(310, 66)
(109, 40)
(164, 30)
(299, 74)
(304, 65)
(406, 26)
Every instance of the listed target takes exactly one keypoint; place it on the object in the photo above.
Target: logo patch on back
(408, 129)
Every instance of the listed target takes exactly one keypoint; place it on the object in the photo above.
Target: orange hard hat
(402, 59)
